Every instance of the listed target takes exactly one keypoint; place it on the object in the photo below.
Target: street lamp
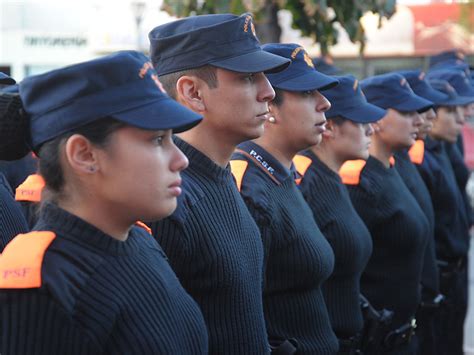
(138, 10)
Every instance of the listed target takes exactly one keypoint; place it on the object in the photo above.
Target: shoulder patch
(143, 226)
(302, 163)
(30, 189)
(238, 168)
(22, 258)
(417, 152)
(350, 171)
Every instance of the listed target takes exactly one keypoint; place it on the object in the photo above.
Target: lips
(264, 116)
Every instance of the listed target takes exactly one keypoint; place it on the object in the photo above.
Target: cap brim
(161, 114)
(311, 80)
(414, 103)
(457, 101)
(254, 62)
(367, 113)
(6, 80)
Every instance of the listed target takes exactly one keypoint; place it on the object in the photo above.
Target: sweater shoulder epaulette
(302, 164)
(417, 152)
(30, 189)
(351, 171)
(22, 259)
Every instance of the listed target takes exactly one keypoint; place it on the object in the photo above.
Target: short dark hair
(97, 132)
(337, 120)
(206, 73)
(278, 99)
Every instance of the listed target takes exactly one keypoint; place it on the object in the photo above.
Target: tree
(315, 18)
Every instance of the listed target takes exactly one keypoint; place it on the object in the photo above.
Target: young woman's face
(352, 140)
(448, 124)
(141, 173)
(427, 125)
(399, 130)
(301, 117)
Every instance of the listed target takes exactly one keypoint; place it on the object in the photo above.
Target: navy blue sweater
(400, 231)
(451, 223)
(214, 246)
(462, 173)
(349, 238)
(298, 259)
(412, 179)
(12, 221)
(99, 295)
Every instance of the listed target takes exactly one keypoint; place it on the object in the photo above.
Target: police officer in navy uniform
(214, 65)
(12, 221)
(86, 280)
(347, 137)
(398, 226)
(451, 220)
(298, 259)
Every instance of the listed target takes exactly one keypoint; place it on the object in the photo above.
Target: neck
(328, 157)
(216, 146)
(381, 151)
(280, 152)
(102, 217)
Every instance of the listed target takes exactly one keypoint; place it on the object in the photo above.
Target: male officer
(214, 65)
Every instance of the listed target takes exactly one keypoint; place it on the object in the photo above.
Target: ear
(188, 90)
(331, 130)
(378, 126)
(81, 155)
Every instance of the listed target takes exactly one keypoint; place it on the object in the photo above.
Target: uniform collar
(267, 161)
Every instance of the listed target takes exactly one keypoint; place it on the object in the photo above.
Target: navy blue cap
(456, 78)
(453, 55)
(324, 66)
(421, 87)
(6, 80)
(122, 85)
(348, 100)
(301, 75)
(453, 98)
(222, 40)
(393, 91)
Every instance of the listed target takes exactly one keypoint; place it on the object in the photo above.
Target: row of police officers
(228, 198)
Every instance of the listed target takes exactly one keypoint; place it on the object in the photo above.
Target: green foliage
(315, 18)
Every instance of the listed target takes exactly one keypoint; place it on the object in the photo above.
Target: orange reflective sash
(144, 226)
(350, 171)
(30, 189)
(417, 152)
(238, 168)
(302, 164)
(22, 258)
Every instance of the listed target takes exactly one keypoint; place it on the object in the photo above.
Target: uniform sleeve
(32, 323)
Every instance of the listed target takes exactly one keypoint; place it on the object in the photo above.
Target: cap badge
(147, 66)
(248, 21)
(356, 85)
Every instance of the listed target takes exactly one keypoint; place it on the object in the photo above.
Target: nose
(265, 91)
(322, 104)
(179, 161)
(417, 120)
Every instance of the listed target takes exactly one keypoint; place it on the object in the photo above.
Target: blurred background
(362, 37)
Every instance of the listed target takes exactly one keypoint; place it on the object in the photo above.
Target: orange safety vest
(302, 164)
(238, 168)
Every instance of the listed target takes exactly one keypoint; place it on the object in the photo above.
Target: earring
(271, 119)
(91, 169)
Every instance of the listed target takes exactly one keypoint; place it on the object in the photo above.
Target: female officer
(347, 137)
(86, 281)
(398, 226)
(451, 220)
(297, 256)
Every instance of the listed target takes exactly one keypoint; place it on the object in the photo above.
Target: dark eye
(159, 140)
(249, 77)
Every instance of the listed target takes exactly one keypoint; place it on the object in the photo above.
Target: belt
(401, 335)
(350, 346)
